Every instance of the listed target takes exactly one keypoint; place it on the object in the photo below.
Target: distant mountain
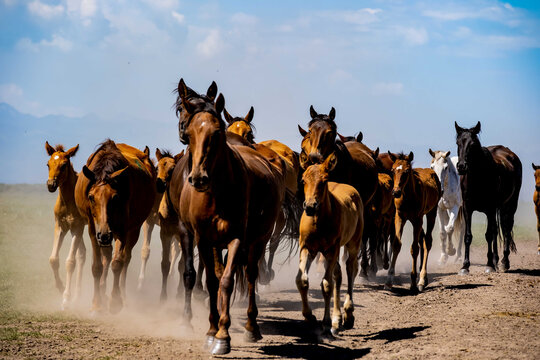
(22, 140)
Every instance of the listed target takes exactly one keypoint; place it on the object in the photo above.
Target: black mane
(111, 160)
(326, 119)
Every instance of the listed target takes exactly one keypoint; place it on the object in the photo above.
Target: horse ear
(459, 129)
(359, 137)
(392, 156)
(411, 156)
(178, 156)
(249, 115)
(312, 112)
(302, 131)
(212, 91)
(117, 174)
(220, 104)
(228, 116)
(183, 92)
(304, 163)
(146, 151)
(50, 150)
(535, 167)
(431, 153)
(71, 152)
(376, 153)
(446, 154)
(342, 138)
(332, 113)
(89, 173)
(476, 129)
(159, 155)
(330, 162)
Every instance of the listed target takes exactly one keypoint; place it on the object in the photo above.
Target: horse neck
(409, 191)
(67, 188)
(327, 205)
(452, 179)
(480, 159)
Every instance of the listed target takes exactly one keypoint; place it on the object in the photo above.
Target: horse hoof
(451, 252)
(252, 336)
(463, 272)
(272, 275)
(489, 270)
(364, 279)
(388, 286)
(334, 331)
(221, 347)
(349, 322)
(421, 288)
(208, 343)
(538, 253)
(186, 327)
(65, 305)
(115, 306)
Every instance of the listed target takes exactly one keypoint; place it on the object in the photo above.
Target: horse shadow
(397, 334)
(529, 272)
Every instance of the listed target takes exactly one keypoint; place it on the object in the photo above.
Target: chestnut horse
(416, 193)
(333, 217)
(66, 218)
(536, 200)
(291, 166)
(116, 194)
(490, 183)
(231, 201)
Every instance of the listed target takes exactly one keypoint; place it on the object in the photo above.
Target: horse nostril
(190, 180)
(204, 179)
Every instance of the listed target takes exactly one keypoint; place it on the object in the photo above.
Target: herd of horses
(235, 200)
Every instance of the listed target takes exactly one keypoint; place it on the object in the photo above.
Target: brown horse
(536, 199)
(66, 218)
(230, 201)
(333, 217)
(116, 194)
(417, 193)
(291, 168)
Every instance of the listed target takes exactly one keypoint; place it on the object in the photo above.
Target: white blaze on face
(56, 157)
(237, 125)
(399, 167)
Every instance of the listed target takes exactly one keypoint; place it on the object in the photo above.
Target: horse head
(468, 145)
(402, 170)
(536, 169)
(58, 164)
(320, 139)
(241, 126)
(315, 180)
(204, 131)
(165, 167)
(439, 164)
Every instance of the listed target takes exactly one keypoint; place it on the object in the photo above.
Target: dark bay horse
(66, 218)
(333, 217)
(116, 194)
(231, 201)
(416, 193)
(536, 200)
(490, 183)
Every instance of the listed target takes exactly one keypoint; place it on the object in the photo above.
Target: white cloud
(355, 17)
(180, 18)
(462, 32)
(57, 41)
(162, 4)
(45, 11)
(414, 36)
(84, 9)
(244, 19)
(211, 45)
(383, 88)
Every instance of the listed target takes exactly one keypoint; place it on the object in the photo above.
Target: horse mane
(402, 156)
(167, 153)
(110, 160)
(59, 147)
(325, 119)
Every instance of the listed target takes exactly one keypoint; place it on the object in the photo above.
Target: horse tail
(292, 209)
(513, 247)
(241, 281)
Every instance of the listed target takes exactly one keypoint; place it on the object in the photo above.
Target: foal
(333, 217)
(66, 218)
(536, 199)
(416, 193)
(449, 209)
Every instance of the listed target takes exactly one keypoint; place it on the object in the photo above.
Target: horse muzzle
(316, 158)
(161, 185)
(311, 208)
(462, 168)
(52, 185)
(396, 193)
(201, 183)
(104, 239)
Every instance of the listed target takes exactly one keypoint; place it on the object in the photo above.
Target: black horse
(490, 183)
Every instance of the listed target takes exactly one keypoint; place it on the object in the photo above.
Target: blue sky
(400, 71)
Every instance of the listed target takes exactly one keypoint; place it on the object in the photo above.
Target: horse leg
(252, 333)
(302, 283)
(148, 226)
(131, 241)
(337, 318)
(106, 257)
(175, 252)
(352, 269)
(426, 243)
(186, 241)
(70, 268)
(166, 240)
(460, 227)
(389, 236)
(97, 267)
(59, 235)
(417, 236)
(117, 264)
(274, 243)
(443, 220)
(199, 289)
(399, 223)
(81, 259)
(454, 212)
(467, 239)
(491, 236)
(370, 227)
(327, 286)
(507, 225)
(364, 261)
(222, 342)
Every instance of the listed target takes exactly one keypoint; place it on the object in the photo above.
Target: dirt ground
(479, 316)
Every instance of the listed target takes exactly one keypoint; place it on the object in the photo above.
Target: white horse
(449, 209)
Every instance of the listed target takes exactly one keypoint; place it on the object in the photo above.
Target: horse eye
(91, 198)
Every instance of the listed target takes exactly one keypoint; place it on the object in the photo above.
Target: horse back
(362, 169)
(292, 163)
(509, 171)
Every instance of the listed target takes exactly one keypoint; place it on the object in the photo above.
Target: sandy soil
(479, 316)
